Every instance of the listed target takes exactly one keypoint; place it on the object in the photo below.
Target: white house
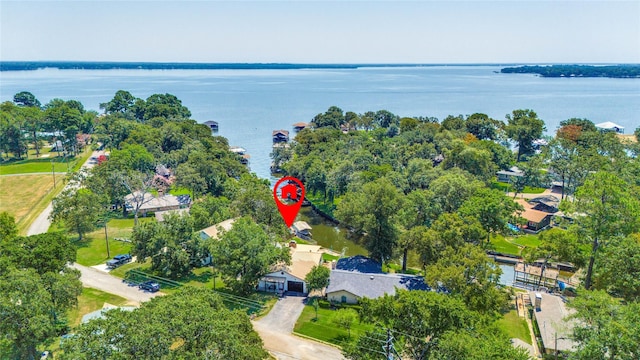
(291, 277)
(610, 126)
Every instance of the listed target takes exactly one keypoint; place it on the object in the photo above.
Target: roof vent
(371, 277)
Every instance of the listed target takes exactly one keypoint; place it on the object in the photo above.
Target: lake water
(249, 104)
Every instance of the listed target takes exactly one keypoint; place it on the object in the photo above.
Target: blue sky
(322, 31)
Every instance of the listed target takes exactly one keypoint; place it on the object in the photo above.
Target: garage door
(296, 286)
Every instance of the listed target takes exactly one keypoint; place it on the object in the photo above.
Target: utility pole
(388, 346)
(106, 237)
(53, 173)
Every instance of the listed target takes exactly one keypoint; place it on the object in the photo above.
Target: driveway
(284, 314)
(275, 330)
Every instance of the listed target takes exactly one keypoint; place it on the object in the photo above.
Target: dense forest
(611, 71)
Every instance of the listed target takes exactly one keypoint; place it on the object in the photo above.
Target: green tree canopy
(78, 209)
(191, 324)
(374, 210)
(245, 254)
(317, 278)
(523, 127)
(172, 245)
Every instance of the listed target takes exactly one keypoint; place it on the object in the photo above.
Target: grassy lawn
(324, 328)
(121, 271)
(500, 244)
(44, 164)
(515, 326)
(92, 250)
(527, 240)
(92, 300)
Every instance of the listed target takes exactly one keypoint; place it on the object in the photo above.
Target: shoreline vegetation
(625, 71)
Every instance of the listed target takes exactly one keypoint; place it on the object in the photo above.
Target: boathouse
(280, 136)
(299, 126)
(213, 125)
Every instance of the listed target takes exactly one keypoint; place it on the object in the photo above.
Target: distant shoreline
(629, 71)
(114, 65)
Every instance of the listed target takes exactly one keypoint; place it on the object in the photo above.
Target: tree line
(416, 184)
(611, 71)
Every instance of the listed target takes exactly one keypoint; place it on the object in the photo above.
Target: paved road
(100, 280)
(41, 224)
(275, 330)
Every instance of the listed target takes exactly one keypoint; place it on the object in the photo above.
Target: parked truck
(118, 260)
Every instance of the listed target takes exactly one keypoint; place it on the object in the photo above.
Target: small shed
(610, 126)
(280, 136)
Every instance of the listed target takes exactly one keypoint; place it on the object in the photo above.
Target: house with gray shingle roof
(350, 286)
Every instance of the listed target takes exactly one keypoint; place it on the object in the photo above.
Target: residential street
(100, 280)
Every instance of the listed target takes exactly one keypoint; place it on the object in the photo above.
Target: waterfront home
(536, 220)
(359, 263)
(351, 286)
(610, 126)
(555, 328)
(507, 175)
(291, 278)
(280, 136)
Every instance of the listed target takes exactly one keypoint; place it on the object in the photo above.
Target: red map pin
(289, 191)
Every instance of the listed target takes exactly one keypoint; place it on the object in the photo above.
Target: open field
(20, 195)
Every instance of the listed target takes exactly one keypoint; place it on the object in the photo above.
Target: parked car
(118, 260)
(150, 286)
